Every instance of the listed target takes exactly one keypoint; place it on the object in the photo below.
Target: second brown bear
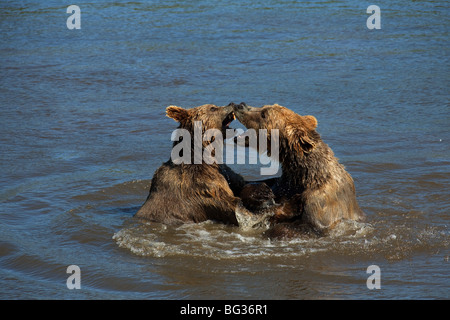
(314, 189)
(190, 192)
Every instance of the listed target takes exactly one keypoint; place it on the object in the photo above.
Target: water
(83, 129)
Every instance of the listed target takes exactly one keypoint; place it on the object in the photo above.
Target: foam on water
(216, 241)
(220, 242)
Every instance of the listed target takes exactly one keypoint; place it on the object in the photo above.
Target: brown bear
(194, 191)
(315, 190)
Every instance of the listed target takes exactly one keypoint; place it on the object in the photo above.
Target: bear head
(210, 115)
(296, 132)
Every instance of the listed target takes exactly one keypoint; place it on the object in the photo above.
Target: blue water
(83, 128)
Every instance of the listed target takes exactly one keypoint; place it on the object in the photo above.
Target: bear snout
(241, 106)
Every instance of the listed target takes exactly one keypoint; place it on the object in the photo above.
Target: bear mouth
(228, 119)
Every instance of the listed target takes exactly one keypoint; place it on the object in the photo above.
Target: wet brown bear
(314, 189)
(193, 192)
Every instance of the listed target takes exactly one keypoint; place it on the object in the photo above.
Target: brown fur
(257, 197)
(315, 189)
(181, 193)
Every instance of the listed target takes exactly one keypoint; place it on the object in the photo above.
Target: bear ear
(305, 139)
(177, 113)
(311, 121)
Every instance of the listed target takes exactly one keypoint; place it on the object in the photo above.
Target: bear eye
(263, 114)
(214, 109)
